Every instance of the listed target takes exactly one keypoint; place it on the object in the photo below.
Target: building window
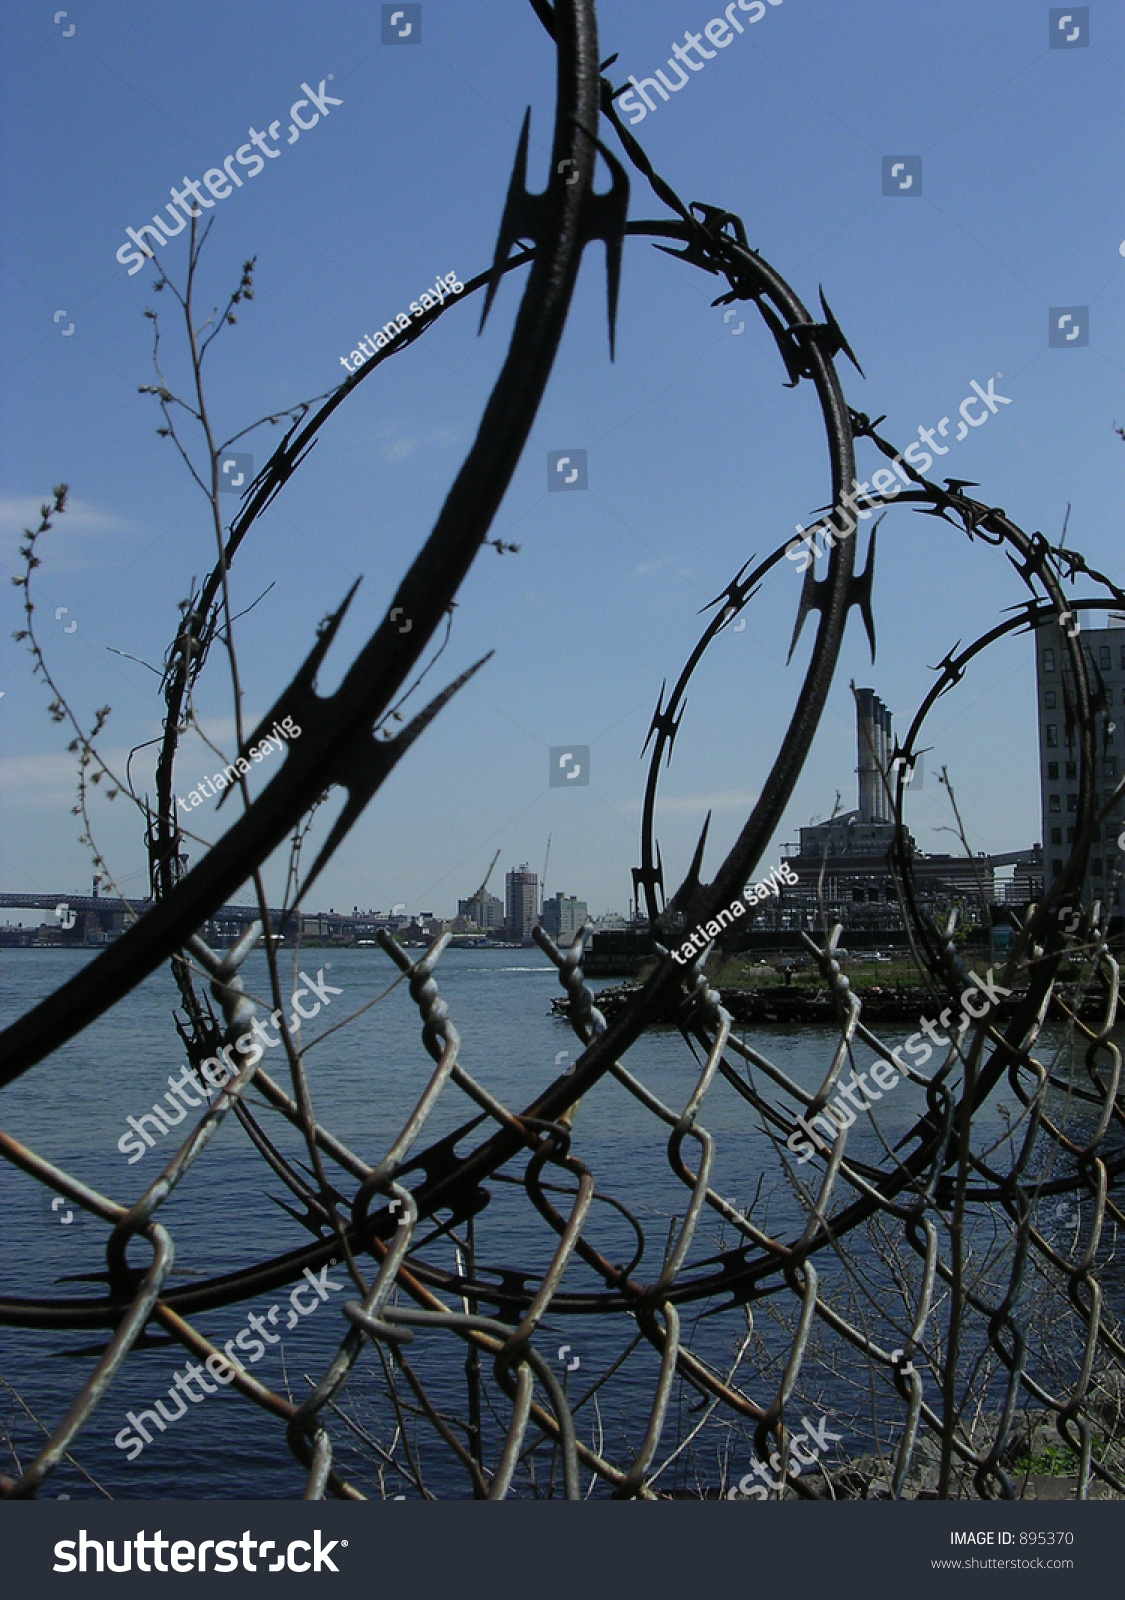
(1072, 802)
(1053, 804)
(1097, 867)
(1105, 660)
(1056, 867)
(1071, 835)
(1111, 766)
(1072, 770)
(1049, 658)
(1056, 836)
(1051, 735)
(1049, 699)
(1052, 769)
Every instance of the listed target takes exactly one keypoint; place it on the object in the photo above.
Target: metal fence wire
(933, 1280)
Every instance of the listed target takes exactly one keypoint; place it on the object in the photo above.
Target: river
(364, 1079)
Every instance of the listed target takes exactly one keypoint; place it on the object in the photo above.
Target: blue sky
(697, 457)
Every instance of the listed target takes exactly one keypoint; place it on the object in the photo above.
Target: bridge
(90, 919)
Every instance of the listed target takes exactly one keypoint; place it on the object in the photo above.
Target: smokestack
(888, 749)
(867, 748)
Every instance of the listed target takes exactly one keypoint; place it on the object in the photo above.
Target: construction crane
(480, 892)
(543, 879)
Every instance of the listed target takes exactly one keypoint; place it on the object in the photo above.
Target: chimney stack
(867, 747)
(875, 742)
(888, 749)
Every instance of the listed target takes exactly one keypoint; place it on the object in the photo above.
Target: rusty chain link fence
(928, 1279)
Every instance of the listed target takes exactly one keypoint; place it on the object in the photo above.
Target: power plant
(845, 862)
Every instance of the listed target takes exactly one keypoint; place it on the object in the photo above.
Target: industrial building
(1104, 650)
(846, 860)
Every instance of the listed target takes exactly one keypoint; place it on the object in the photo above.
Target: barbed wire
(999, 1319)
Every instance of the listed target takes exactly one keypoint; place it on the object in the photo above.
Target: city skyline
(873, 777)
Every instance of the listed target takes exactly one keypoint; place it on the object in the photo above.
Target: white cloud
(48, 776)
(661, 564)
(396, 444)
(53, 775)
(18, 512)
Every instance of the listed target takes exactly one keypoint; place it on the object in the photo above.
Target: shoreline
(808, 1003)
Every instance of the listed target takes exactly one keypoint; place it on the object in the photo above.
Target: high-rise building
(1104, 649)
(521, 892)
(563, 917)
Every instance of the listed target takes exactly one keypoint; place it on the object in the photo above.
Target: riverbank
(808, 1003)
